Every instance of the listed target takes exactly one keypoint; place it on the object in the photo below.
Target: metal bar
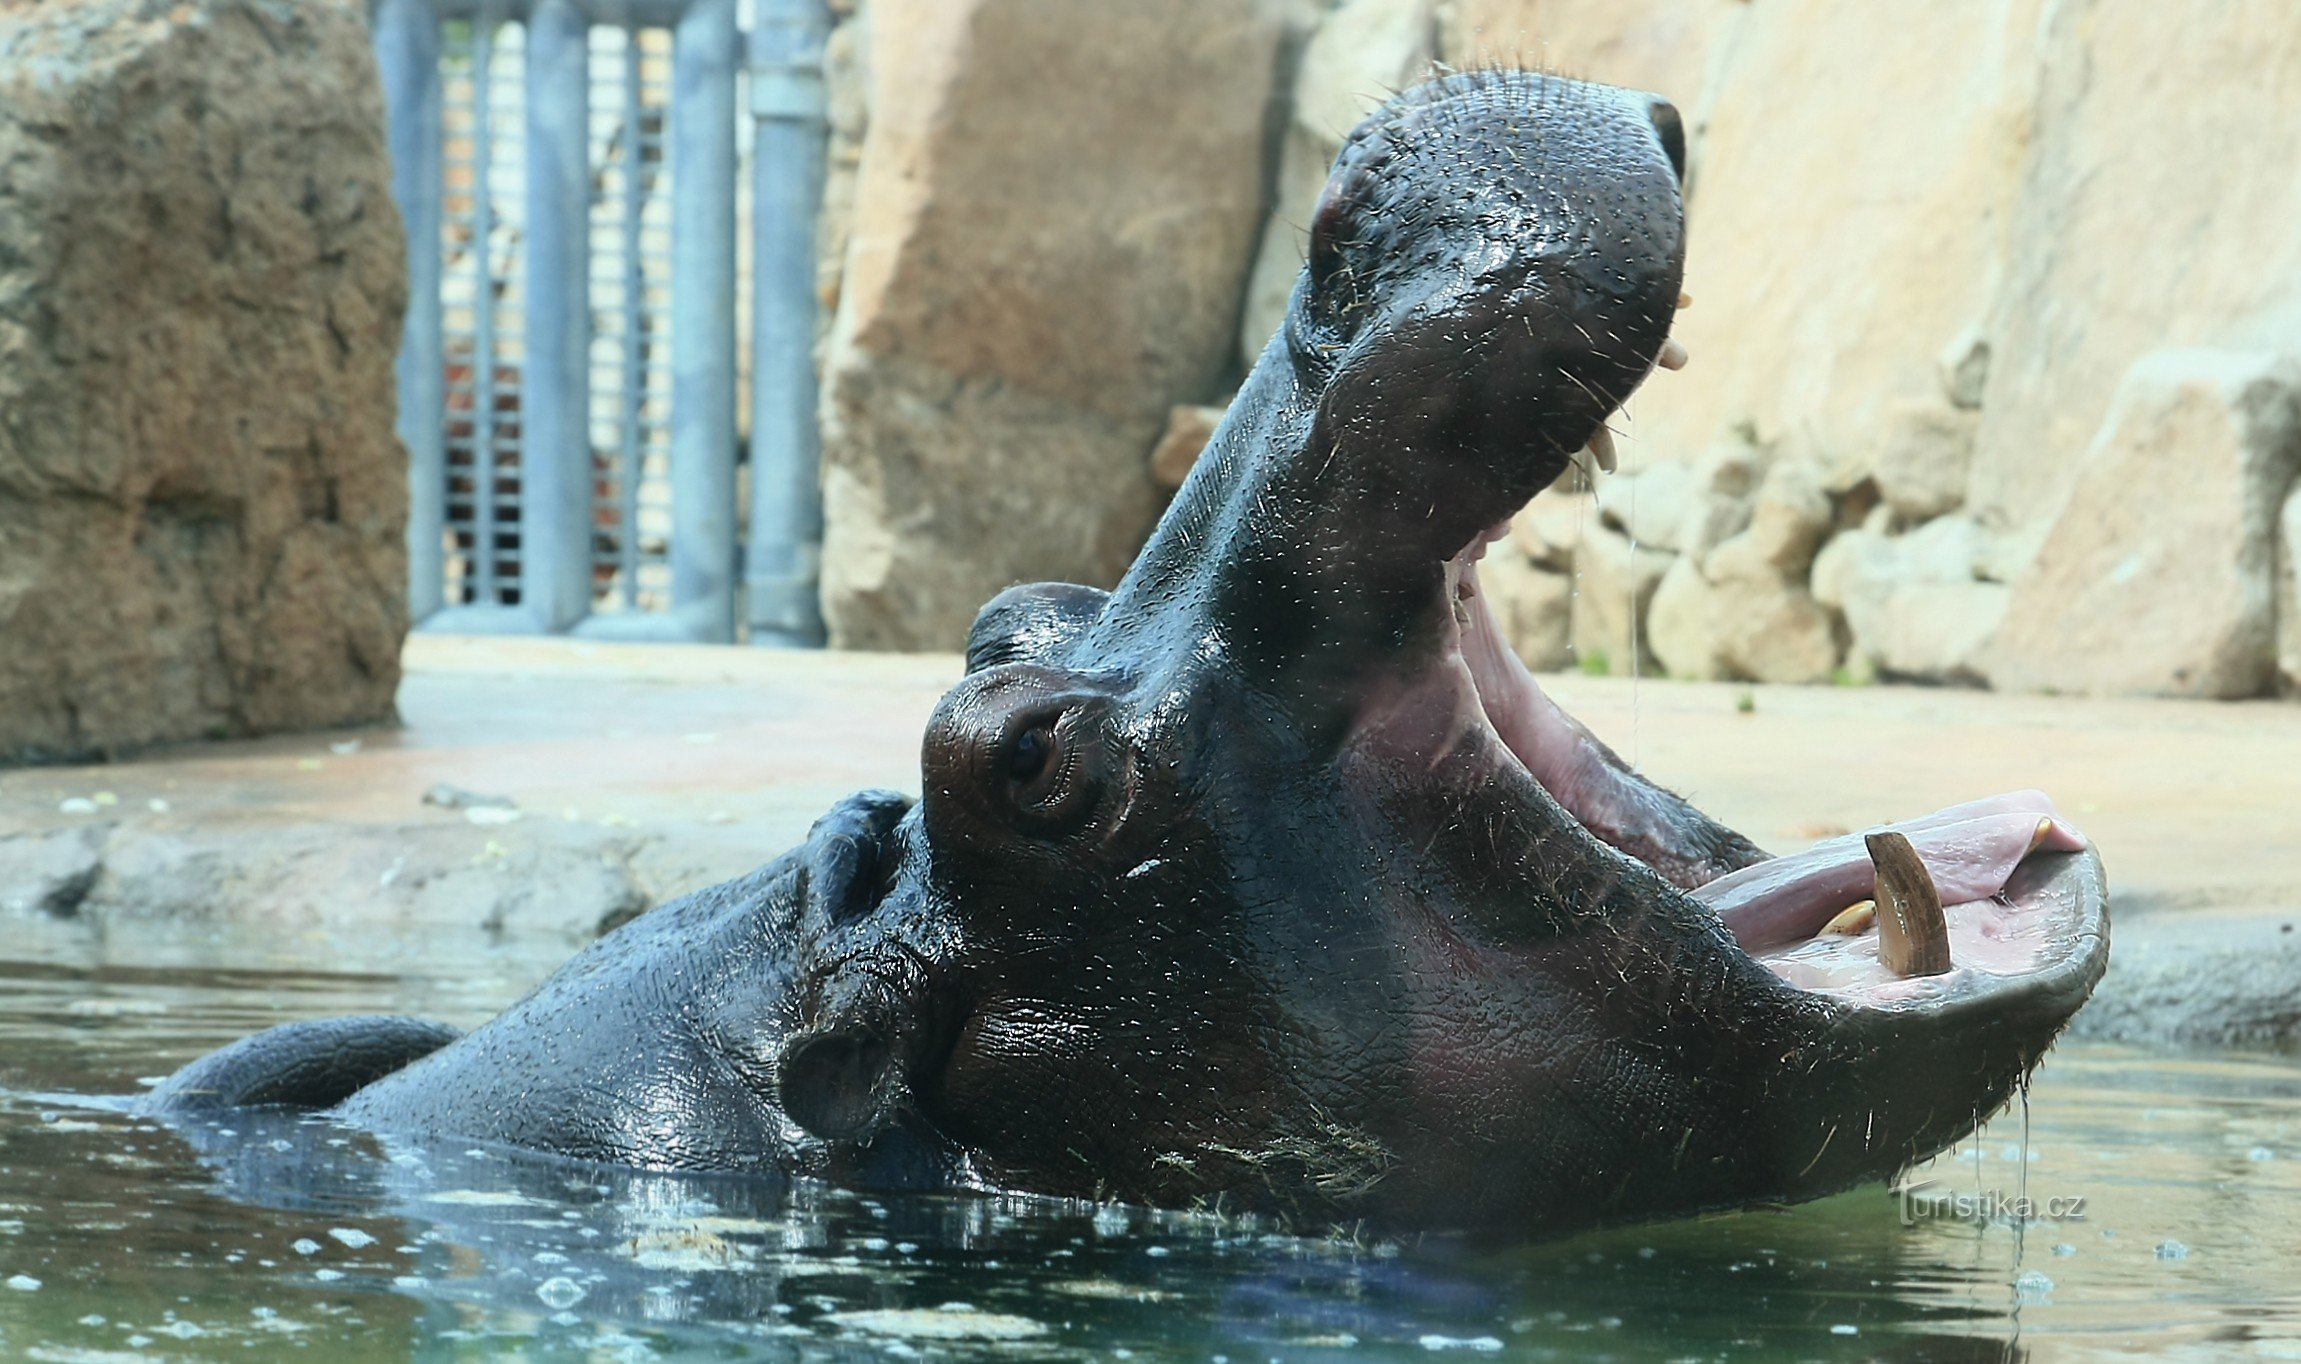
(632, 465)
(555, 426)
(407, 46)
(782, 560)
(483, 311)
(703, 319)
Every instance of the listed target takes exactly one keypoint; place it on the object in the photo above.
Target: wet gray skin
(1258, 880)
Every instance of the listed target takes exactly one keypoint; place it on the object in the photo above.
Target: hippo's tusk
(1601, 448)
(1685, 300)
(1913, 937)
(1673, 354)
(1852, 921)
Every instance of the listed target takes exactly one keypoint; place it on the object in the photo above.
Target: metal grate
(630, 292)
(482, 165)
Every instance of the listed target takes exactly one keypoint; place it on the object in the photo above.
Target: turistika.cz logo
(1928, 1201)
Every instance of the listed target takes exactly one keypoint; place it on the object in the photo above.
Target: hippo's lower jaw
(1813, 918)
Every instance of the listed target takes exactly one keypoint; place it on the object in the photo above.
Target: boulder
(1189, 426)
(1788, 518)
(1916, 606)
(1534, 607)
(203, 507)
(1679, 622)
(1924, 457)
(1719, 504)
(1549, 528)
(1650, 505)
(1006, 354)
(1359, 54)
(1613, 583)
(2157, 577)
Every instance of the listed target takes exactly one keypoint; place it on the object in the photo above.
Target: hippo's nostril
(1672, 130)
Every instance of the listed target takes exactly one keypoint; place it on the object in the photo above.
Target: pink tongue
(1970, 849)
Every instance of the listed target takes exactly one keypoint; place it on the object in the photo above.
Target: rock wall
(1951, 276)
(1053, 217)
(202, 505)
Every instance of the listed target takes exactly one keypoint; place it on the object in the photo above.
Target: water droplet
(560, 1292)
(352, 1236)
(2064, 1248)
(2172, 1250)
(23, 1283)
(304, 1245)
(2032, 1286)
(2260, 1154)
(1845, 1328)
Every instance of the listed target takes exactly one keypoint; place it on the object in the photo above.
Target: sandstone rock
(1358, 56)
(1963, 365)
(1533, 607)
(1005, 355)
(1551, 527)
(1649, 505)
(1666, 46)
(1788, 519)
(1925, 457)
(2165, 134)
(2157, 576)
(1757, 629)
(202, 504)
(1772, 632)
(1928, 632)
(1724, 485)
(1679, 623)
(2289, 591)
(1188, 429)
(1613, 583)
(50, 873)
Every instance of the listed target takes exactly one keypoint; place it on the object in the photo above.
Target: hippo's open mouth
(1921, 913)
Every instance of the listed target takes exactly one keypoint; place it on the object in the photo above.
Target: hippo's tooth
(1673, 354)
(2044, 832)
(1852, 921)
(1601, 448)
(1685, 300)
(1913, 937)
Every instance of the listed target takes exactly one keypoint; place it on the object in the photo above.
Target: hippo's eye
(1041, 760)
(1031, 754)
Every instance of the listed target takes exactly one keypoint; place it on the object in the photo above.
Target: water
(285, 1238)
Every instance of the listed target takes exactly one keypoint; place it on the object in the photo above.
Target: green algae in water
(265, 1237)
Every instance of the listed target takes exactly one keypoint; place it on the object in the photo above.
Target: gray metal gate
(567, 378)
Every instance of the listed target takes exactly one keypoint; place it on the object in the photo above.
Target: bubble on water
(2260, 1155)
(1483, 1344)
(1110, 1221)
(2032, 1286)
(1156, 1250)
(352, 1236)
(874, 1243)
(327, 1275)
(1845, 1328)
(549, 1257)
(282, 1144)
(560, 1291)
(139, 1340)
(181, 1330)
(912, 1248)
(565, 1319)
(409, 1281)
(304, 1245)
(23, 1283)
(2064, 1248)
(2172, 1250)
(92, 1319)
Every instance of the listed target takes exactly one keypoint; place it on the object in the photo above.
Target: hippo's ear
(842, 1085)
(1030, 622)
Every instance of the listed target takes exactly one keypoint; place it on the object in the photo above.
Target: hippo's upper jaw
(1272, 877)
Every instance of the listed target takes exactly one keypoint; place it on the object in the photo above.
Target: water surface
(2165, 1220)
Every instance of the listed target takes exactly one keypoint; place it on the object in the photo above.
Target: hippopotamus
(1270, 878)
